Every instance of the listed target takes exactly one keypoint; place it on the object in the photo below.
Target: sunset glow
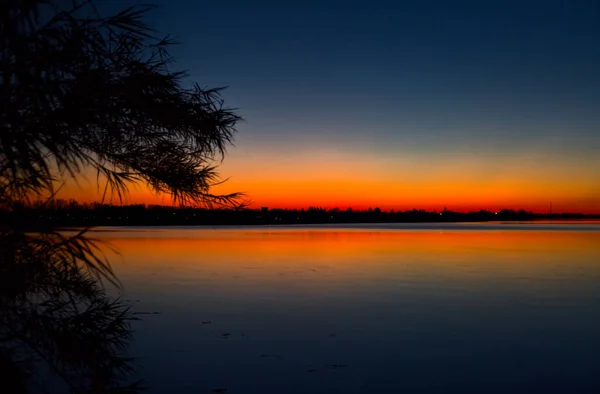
(401, 106)
(530, 182)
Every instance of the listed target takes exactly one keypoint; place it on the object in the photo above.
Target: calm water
(365, 309)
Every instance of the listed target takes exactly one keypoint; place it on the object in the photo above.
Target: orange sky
(331, 177)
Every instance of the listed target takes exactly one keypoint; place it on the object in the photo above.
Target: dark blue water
(366, 309)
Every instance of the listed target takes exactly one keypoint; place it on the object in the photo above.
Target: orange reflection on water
(359, 252)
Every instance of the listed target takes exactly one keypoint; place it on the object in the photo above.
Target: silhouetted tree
(80, 90)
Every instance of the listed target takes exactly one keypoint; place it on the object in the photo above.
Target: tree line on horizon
(62, 212)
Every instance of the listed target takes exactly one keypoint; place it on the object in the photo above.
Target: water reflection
(364, 309)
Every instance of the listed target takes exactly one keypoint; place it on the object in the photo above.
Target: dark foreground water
(365, 309)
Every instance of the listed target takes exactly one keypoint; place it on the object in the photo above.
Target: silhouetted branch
(79, 90)
(86, 91)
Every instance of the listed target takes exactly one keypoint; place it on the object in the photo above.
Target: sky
(399, 104)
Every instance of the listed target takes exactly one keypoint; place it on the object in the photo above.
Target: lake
(422, 308)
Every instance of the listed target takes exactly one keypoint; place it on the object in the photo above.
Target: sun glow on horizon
(344, 180)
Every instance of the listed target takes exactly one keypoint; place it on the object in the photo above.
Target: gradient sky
(400, 104)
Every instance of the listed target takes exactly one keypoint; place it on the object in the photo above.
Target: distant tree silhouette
(72, 214)
(80, 90)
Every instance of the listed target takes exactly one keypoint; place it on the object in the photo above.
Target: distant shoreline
(587, 220)
(75, 215)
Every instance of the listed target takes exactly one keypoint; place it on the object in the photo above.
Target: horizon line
(327, 208)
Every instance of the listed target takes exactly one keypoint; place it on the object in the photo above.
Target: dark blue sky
(404, 71)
